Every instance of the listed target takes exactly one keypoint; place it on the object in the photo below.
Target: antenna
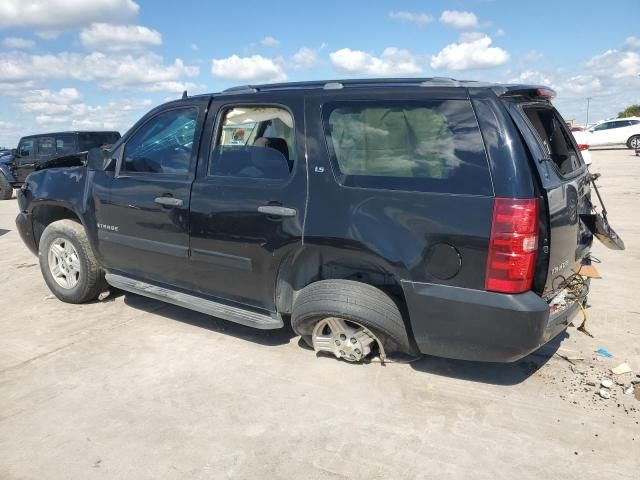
(184, 94)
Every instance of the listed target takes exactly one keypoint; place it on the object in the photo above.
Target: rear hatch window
(554, 138)
(429, 146)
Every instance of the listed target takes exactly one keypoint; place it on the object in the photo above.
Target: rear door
(565, 180)
(143, 219)
(248, 202)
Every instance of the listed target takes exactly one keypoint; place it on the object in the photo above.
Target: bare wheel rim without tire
(345, 339)
(64, 263)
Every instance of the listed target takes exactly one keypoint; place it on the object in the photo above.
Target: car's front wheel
(634, 142)
(349, 320)
(68, 264)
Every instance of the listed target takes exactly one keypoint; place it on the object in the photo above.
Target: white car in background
(621, 131)
(581, 139)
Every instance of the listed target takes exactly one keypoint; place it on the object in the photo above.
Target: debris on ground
(104, 295)
(628, 390)
(606, 383)
(604, 352)
(604, 393)
(621, 369)
(636, 391)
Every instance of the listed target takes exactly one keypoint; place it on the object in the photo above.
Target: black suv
(412, 215)
(35, 152)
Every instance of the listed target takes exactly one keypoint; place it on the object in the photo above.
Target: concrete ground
(132, 388)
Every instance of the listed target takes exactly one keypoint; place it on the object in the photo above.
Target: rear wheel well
(43, 215)
(296, 274)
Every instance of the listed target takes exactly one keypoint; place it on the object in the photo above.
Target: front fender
(8, 174)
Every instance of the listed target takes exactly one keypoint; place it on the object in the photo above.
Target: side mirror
(99, 160)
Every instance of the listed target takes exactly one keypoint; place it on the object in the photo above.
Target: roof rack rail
(333, 86)
(440, 81)
(240, 89)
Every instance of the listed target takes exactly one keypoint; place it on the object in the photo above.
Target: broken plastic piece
(604, 352)
(604, 393)
(622, 368)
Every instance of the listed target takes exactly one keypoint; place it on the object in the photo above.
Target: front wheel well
(43, 215)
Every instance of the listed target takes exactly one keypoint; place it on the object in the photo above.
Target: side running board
(202, 305)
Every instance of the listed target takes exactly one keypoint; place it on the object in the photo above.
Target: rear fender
(8, 174)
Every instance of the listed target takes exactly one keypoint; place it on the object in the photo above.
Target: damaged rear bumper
(476, 325)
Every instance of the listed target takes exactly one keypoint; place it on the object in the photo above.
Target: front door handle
(277, 211)
(169, 201)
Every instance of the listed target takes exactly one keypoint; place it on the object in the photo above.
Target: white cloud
(459, 19)
(248, 69)
(146, 72)
(195, 47)
(466, 37)
(270, 42)
(16, 43)
(632, 43)
(304, 58)
(532, 56)
(499, 33)
(412, 17)
(616, 64)
(393, 61)
(105, 37)
(467, 55)
(533, 77)
(56, 15)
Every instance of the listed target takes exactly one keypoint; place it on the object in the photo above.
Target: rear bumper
(24, 224)
(477, 325)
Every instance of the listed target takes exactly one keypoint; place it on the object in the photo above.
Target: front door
(143, 223)
(248, 201)
(25, 159)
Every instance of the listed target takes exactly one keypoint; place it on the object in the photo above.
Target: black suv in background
(414, 215)
(35, 152)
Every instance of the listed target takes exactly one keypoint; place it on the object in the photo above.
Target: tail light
(513, 245)
(582, 147)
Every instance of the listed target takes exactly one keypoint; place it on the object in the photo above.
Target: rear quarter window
(428, 146)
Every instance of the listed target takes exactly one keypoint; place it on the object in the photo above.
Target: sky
(102, 64)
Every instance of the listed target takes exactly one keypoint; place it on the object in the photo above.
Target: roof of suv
(70, 132)
(339, 84)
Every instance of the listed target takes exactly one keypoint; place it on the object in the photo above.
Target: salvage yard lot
(135, 388)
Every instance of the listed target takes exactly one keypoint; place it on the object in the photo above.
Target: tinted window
(254, 142)
(26, 148)
(555, 138)
(97, 139)
(46, 146)
(164, 144)
(634, 122)
(431, 146)
(65, 144)
(603, 126)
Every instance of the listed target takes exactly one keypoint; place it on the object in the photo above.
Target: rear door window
(46, 146)
(430, 146)
(554, 138)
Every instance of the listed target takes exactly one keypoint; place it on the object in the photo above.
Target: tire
(351, 301)
(6, 190)
(88, 277)
(634, 142)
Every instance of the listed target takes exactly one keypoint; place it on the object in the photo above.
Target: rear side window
(430, 146)
(46, 146)
(254, 142)
(65, 144)
(555, 138)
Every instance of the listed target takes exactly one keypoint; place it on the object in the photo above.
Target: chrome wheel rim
(344, 339)
(635, 142)
(64, 263)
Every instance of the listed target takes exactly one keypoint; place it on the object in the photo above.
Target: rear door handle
(277, 211)
(169, 201)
